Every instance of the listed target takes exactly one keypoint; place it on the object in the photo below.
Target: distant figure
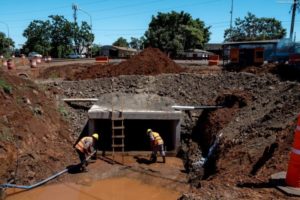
(157, 144)
(84, 148)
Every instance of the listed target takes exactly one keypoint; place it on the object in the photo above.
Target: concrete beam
(98, 112)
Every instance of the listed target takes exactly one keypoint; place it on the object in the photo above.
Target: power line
(126, 29)
(128, 5)
(49, 9)
(34, 11)
(124, 15)
(143, 12)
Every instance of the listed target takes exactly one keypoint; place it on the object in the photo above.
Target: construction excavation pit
(225, 132)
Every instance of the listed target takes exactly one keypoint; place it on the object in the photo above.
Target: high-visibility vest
(157, 138)
(84, 144)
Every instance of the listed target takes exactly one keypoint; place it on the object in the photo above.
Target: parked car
(74, 55)
(34, 55)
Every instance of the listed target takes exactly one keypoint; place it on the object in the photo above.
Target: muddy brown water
(114, 189)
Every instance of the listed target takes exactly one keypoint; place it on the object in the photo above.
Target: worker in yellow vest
(157, 144)
(85, 147)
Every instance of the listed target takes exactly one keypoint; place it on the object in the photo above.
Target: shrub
(5, 86)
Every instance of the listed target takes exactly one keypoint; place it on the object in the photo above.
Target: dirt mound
(34, 137)
(151, 61)
(283, 71)
(65, 72)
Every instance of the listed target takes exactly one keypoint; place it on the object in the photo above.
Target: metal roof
(252, 42)
(118, 48)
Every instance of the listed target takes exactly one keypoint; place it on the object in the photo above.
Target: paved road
(60, 62)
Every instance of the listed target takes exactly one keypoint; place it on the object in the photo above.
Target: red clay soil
(244, 176)
(151, 61)
(35, 140)
(241, 169)
(212, 121)
(65, 72)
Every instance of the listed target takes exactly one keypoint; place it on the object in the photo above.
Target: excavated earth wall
(257, 126)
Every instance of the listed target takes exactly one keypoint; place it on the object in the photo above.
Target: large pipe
(203, 161)
(80, 99)
(28, 187)
(195, 107)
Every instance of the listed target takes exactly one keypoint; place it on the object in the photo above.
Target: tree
(56, 36)
(61, 36)
(38, 37)
(173, 32)
(96, 49)
(121, 42)
(137, 43)
(252, 28)
(5, 44)
(84, 37)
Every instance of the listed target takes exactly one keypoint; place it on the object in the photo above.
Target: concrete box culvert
(158, 115)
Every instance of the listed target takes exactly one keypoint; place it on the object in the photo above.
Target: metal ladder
(117, 127)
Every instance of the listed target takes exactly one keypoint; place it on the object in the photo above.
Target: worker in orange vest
(157, 144)
(84, 148)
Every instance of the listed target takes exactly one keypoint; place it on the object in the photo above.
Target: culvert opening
(211, 122)
(136, 138)
(140, 112)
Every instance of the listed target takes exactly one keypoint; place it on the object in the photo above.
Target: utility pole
(75, 8)
(294, 7)
(231, 12)
(91, 25)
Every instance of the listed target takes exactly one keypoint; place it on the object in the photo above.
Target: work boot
(164, 159)
(153, 158)
(84, 169)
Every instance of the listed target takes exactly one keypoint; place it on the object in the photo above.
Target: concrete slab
(101, 112)
(139, 111)
(279, 180)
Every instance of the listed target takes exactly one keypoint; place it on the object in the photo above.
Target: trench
(210, 123)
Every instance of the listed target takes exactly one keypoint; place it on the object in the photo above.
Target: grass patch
(6, 136)
(5, 86)
(62, 110)
(54, 75)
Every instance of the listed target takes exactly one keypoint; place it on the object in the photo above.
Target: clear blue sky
(130, 18)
